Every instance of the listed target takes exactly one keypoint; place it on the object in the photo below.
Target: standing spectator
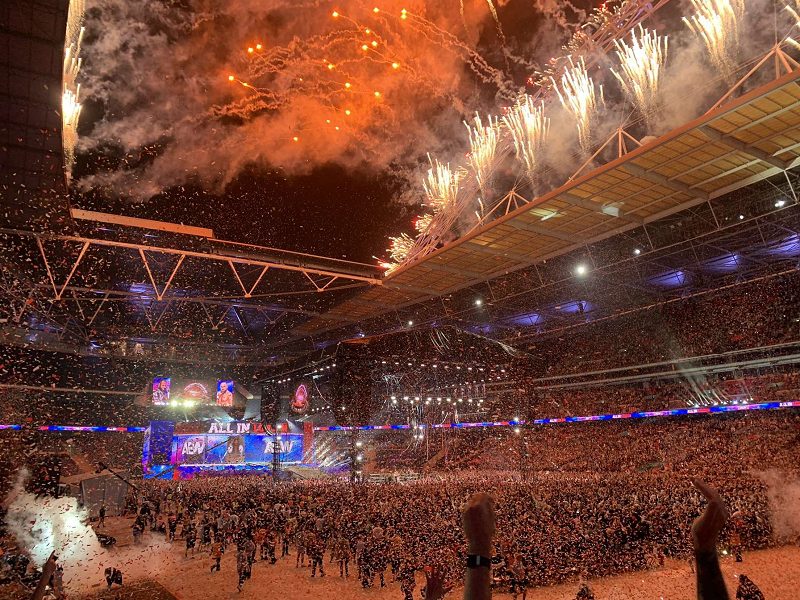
(748, 590)
(216, 554)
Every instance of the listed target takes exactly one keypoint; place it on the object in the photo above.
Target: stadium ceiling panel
(732, 146)
(32, 178)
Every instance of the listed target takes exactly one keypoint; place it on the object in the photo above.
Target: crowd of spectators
(552, 529)
(750, 315)
(680, 444)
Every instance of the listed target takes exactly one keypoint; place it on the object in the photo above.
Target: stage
(221, 448)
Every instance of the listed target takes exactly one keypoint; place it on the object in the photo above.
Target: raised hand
(435, 587)
(707, 527)
(477, 519)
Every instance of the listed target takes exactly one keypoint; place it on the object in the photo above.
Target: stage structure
(222, 448)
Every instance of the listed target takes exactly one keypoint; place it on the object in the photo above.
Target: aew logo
(194, 446)
(285, 446)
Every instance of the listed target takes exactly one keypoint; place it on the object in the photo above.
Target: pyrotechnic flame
(716, 22)
(441, 185)
(400, 248)
(795, 12)
(642, 63)
(529, 128)
(423, 222)
(577, 95)
(483, 144)
(70, 88)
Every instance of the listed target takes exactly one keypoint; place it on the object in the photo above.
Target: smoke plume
(43, 525)
(783, 493)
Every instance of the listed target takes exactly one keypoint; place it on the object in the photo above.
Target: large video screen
(216, 449)
(161, 390)
(300, 399)
(193, 392)
(225, 391)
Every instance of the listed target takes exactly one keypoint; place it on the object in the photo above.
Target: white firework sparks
(483, 144)
(70, 88)
(423, 223)
(795, 12)
(400, 247)
(577, 95)
(642, 64)
(716, 22)
(441, 185)
(529, 128)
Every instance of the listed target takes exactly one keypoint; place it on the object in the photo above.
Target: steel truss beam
(736, 144)
(321, 279)
(154, 314)
(666, 182)
(181, 254)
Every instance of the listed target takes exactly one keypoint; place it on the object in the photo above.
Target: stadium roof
(749, 139)
(32, 179)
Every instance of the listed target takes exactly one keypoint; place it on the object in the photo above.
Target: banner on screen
(215, 449)
(225, 427)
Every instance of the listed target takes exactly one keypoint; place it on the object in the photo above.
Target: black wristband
(476, 560)
(705, 555)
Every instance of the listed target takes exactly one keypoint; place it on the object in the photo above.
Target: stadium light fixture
(410, 323)
(780, 203)
(478, 302)
(581, 270)
(637, 251)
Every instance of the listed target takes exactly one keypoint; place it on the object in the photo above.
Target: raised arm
(477, 519)
(705, 533)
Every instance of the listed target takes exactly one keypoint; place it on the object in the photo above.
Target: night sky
(330, 212)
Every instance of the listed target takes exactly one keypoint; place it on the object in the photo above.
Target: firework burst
(70, 90)
(795, 12)
(642, 65)
(716, 22)
(577, 95)
(423, 223)
(483, 147)
(441, 185)
(529, 128)
(400, 248)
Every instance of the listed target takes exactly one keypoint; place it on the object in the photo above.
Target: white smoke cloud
(161, 74)
(783, 493)
(43, 525)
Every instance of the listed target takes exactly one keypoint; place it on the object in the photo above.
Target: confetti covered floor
(776, 571)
